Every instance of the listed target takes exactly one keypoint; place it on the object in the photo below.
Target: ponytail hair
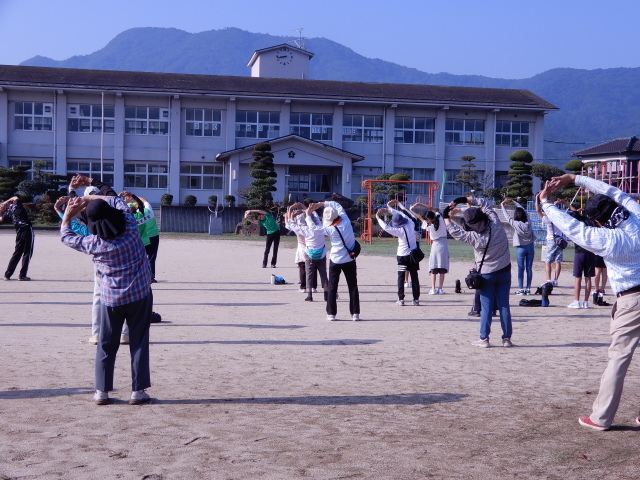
(435, 218)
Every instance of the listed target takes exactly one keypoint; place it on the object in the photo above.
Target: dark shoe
(473, 313)
(155, 317)
(264, 266)
(309, 298)
(273, 266)
(24, 279)
(154, 281)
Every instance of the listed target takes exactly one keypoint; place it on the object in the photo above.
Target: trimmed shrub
(167, 199)
(190, 201)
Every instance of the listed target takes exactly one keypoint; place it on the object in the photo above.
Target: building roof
(274, 141)
(254, 57)
(617, 146)
(227, 86)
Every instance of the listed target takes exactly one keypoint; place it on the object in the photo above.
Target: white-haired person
(433, 223)
(401, 227)
(314, 253)
(614, 234)
(337, 226)
(523, 240)
(482, 229)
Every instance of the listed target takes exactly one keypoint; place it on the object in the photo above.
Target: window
(146, 121)
(33, 116)
(145, 175)
(309, 182)
(92, 170)
(251, 124)
(512, 134)
(362, 128)
(201, 177)
(451, 187)
(464, 132)
(203, 122)
(356, 183)
(316, 126)
(88, 118)
(47, 168)
(415, 130)
(417, 174)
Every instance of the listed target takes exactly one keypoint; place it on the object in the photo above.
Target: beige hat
(328, 216)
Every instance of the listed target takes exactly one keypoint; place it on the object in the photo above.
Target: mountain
(595, 105)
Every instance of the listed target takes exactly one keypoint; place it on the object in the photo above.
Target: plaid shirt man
(121, 261)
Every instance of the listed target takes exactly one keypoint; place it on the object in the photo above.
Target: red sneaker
(638, 420)
(586, 422)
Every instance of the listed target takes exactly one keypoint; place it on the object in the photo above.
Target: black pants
(319, 266)
(24, 249)
(350, 271)
(272, 238)
(406, 265)
(302, 273)
(152, 253)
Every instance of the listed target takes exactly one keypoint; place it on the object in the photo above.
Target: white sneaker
(506, 342)
(400, 303)
(331, 318)
(481, 343)
(585, 304)
(406, 284)
(440, 291)
(138, 397)
(575, 304)
(93, 340)
(416, 303)
(555, 283)
(315, 290)
(124, 339)
(433, 291)
(356, 317)
(302, 290)
(101, 398)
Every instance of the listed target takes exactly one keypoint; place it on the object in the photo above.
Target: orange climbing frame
(367, 222)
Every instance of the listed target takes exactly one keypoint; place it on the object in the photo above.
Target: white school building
(156, 133)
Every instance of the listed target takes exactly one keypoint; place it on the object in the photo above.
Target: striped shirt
(618, 246)
(121, 262)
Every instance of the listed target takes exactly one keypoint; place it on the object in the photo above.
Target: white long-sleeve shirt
(404, 233)
(314, 239)
(619, 246)
(339, 253)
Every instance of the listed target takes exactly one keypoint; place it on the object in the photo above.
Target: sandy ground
(249, 381)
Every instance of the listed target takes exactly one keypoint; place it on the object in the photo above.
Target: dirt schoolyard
(250, 381)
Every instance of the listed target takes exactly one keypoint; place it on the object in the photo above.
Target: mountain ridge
(595, 105)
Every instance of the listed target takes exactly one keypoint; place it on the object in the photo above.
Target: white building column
(441, 151)
(60, 127)
(346, 180)
(118, 144)
(173, 150)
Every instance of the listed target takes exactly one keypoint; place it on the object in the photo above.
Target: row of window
(201, 122)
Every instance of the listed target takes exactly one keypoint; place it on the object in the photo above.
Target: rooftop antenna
(299, 42)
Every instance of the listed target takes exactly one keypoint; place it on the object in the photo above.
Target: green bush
(230, 200)
(167, 199)
(190, 201)
(213, 200)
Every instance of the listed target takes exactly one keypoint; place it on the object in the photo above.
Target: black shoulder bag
(474, 280)
(356, 248)
(416, 255)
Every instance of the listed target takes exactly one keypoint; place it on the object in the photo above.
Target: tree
(10, 178)
(468, 176)
(398, 189)
(545, 172)
(520, 185)
(264, 177)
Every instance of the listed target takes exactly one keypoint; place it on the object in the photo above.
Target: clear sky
(496, 38)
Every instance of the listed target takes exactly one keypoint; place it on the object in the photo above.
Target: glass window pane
(130, 112)
(184, 181)
(252, 117)
(207, 169)
(207, 183)
(184, 169)
(154, 113)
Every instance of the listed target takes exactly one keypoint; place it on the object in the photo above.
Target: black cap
(599, 207)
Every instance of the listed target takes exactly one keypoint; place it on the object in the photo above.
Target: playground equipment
(367, 221)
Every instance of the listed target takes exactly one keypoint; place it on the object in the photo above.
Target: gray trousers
(95, 309)
(138, 316)
(625, 335)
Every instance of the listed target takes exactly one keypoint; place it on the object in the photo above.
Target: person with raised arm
(434, 224)
(523, 240)
(266, 220)
(337, 226)
(614, 236)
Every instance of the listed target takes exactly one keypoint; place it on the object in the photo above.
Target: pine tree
(10, 178)
(264, 177)
(468, 176)
(520, 185)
